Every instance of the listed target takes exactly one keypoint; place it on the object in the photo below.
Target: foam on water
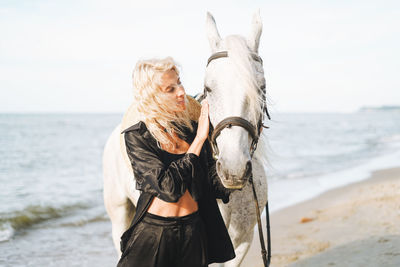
(6, 231)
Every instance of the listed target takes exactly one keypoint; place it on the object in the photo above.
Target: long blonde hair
(153, 106)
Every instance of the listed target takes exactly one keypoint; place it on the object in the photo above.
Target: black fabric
(169, 179)
(167, 241)
(192, 184)
(166, 181)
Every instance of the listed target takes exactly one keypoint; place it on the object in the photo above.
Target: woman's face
(173, 89)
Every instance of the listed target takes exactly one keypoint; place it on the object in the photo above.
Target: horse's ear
(256, 28)
(212, 33)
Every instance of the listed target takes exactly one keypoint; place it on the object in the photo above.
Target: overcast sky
(78, 55)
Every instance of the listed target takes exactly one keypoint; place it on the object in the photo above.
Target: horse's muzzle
(233, 180)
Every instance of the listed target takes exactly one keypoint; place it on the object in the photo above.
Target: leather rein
(254, 132)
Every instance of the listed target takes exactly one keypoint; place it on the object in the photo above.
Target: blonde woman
(177, 220)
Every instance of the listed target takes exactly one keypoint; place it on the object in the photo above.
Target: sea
(51, 199)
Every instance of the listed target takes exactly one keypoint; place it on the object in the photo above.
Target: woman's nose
(181, 90)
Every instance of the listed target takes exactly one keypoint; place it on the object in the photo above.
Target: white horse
(233, 84)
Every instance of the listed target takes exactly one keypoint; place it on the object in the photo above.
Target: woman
(177, 220)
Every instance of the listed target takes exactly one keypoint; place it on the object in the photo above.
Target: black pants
(160, 241)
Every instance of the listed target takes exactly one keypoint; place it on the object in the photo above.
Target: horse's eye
(207, 89)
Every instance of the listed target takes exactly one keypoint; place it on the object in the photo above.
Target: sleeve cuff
(192, 157)
(194, 162)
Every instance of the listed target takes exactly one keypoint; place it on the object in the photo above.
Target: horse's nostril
(222, 173)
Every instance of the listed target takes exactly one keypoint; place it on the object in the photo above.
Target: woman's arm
(196, 146)
(200, 140)
(168, 183)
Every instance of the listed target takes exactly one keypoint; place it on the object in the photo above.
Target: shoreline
(359, 217)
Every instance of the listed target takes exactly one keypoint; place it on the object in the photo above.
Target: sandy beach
(354, 225)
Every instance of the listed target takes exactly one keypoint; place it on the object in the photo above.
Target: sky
(78, 55)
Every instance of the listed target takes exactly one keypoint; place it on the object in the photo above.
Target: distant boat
(381, 108)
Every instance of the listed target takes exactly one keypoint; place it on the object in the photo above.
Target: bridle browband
(255, 132)
(225, 54)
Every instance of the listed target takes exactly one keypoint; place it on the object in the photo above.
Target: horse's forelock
(240, 54)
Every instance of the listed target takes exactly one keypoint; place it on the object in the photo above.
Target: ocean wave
(83, 221)
(30, 216)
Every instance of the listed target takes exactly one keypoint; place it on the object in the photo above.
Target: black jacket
(169, 181)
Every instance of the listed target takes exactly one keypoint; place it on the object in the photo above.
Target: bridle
(254, 132)
(228, 122)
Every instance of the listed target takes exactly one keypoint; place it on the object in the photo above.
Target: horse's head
(235, 88)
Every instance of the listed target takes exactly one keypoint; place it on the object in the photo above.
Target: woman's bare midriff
(185, 205)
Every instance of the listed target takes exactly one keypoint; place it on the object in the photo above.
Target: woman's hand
(202, 130)
(204, 122)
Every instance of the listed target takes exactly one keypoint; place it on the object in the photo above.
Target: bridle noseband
(228, 122)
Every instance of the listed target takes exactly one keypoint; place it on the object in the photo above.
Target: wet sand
(354, 225)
